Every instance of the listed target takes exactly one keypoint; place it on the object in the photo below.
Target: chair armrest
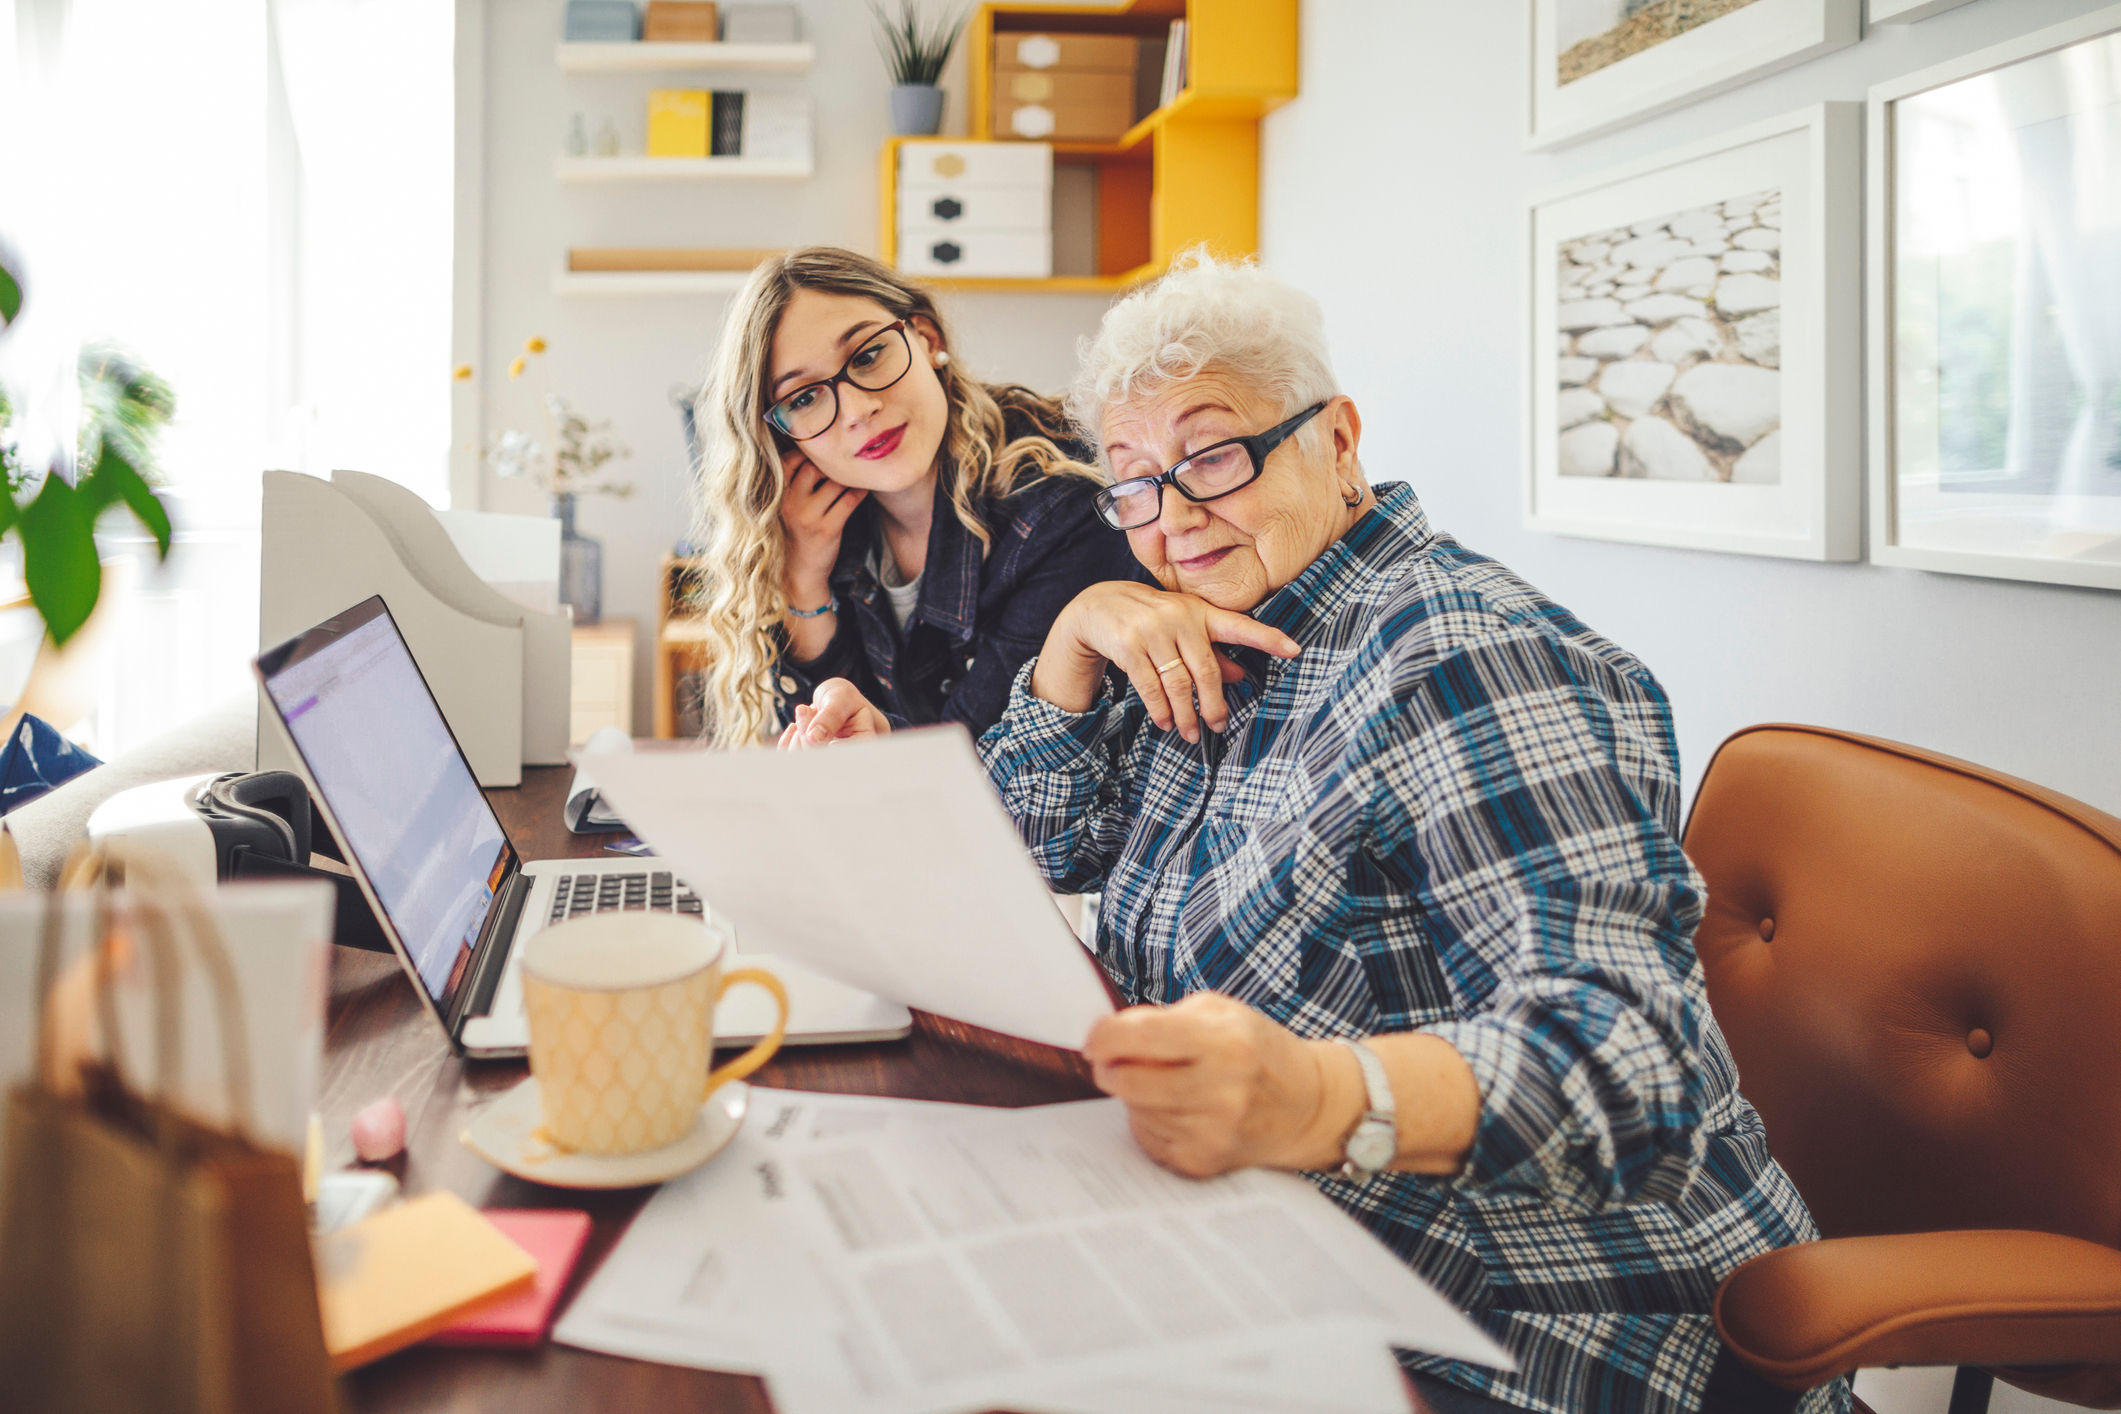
(1800, 1316)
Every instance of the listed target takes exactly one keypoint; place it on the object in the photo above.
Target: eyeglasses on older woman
(1211, 472)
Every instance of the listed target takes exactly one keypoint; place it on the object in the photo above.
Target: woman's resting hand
(814, 510)
(1163, 641)
(837, 711)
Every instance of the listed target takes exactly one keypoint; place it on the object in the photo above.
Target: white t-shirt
(904, 594)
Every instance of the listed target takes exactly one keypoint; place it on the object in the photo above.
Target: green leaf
(114, 479)
(59, 558)
(10, 297)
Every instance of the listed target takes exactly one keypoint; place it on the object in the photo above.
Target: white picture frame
(1750, 42)
(1802, 498)
(2047, 508)
(1906, 12)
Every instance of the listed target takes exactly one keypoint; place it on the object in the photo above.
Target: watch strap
(1372, 1144)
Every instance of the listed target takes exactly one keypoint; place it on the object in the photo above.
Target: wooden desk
(382, 1042)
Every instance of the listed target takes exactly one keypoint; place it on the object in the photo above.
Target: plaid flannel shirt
(1456, 811)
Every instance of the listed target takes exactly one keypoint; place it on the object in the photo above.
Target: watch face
(1372, 1145)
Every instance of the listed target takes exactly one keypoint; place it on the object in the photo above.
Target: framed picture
(1599, 63)
(1901, 12)
(1695, 346)
(1995, 310)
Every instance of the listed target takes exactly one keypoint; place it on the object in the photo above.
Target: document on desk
(899, 1257)
(889, 865)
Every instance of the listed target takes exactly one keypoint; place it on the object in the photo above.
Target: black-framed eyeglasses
(811, 410)
(1209, 473)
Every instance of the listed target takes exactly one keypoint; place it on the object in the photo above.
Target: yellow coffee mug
(621, 1011)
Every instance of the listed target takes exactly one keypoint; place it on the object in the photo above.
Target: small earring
(942, 358)
(1350, 495)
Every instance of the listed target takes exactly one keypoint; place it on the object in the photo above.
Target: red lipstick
(883, 444)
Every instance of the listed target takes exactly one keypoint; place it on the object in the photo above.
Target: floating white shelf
(683, 169)
(649, 282)
(648, 58)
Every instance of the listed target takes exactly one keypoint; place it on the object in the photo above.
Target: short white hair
(1229, 316)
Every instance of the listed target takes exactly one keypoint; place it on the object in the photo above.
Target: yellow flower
(462, 373)
(515, 370)
(534, 344)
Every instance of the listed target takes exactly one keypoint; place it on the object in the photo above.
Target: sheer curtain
(252, 196)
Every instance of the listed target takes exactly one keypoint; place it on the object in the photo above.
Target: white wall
(617, 358)
(1394, 189)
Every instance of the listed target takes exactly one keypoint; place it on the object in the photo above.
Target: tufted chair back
(1917, 964)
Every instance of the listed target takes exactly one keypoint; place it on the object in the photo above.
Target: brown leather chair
(1917, 963)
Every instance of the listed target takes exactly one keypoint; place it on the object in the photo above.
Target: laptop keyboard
(652, 890)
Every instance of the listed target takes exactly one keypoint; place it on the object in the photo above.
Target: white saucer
(506, 1135)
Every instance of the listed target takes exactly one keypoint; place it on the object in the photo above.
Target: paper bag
(149, 1262)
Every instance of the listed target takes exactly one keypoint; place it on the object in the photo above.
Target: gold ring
(1174, 663)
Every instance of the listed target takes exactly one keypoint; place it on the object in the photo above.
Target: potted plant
(914, 55)
(52, 511)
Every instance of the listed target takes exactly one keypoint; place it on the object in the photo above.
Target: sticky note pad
(677, 122)
(554, 1238)
(396, 1278)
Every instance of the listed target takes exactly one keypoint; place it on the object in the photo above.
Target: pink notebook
(553, 1237)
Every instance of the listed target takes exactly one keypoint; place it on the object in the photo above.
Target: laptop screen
(392, 776)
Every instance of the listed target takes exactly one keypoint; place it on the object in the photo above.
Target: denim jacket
(979, 618)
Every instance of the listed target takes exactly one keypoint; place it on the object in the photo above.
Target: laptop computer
(453, 895)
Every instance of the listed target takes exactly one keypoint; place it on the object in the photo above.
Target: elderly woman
(1388, 849)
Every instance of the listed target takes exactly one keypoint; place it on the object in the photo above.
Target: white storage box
(976, 164)
(978, 209)
(932, 249)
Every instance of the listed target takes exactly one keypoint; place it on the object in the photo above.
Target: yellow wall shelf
(1186, 174)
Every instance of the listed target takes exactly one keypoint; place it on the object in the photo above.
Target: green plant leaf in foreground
(59, 558)
(113, 479)
(10, 297)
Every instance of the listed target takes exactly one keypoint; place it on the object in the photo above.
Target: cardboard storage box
(1111, 53)
(1062, 105)
(679, 22)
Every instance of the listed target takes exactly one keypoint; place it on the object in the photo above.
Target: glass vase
(581, 565)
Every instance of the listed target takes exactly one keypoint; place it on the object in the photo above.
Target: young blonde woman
(872, 512)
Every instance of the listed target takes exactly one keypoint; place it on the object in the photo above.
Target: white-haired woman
(871, 512)
(1388, 845)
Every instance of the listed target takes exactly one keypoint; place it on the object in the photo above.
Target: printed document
(889, 865)
(900, 1257)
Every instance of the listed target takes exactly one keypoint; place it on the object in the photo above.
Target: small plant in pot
(915, 54)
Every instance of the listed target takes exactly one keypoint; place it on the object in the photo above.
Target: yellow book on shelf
(677, 122)
(394, 1279)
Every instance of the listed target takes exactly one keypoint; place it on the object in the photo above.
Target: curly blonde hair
(738, 501)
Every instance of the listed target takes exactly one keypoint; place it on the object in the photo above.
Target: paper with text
(896, 1257)
(889, 865)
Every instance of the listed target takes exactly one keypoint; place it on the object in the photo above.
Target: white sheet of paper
(887, 864)
(895, 1257)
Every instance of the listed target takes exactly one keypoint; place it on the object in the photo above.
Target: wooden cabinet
(603, 678)
(680, 652)
(1186, 174)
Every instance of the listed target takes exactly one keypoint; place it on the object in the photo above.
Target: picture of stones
(1594, 33)
(1671, 346)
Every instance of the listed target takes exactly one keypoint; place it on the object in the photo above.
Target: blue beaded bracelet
(831, 604)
